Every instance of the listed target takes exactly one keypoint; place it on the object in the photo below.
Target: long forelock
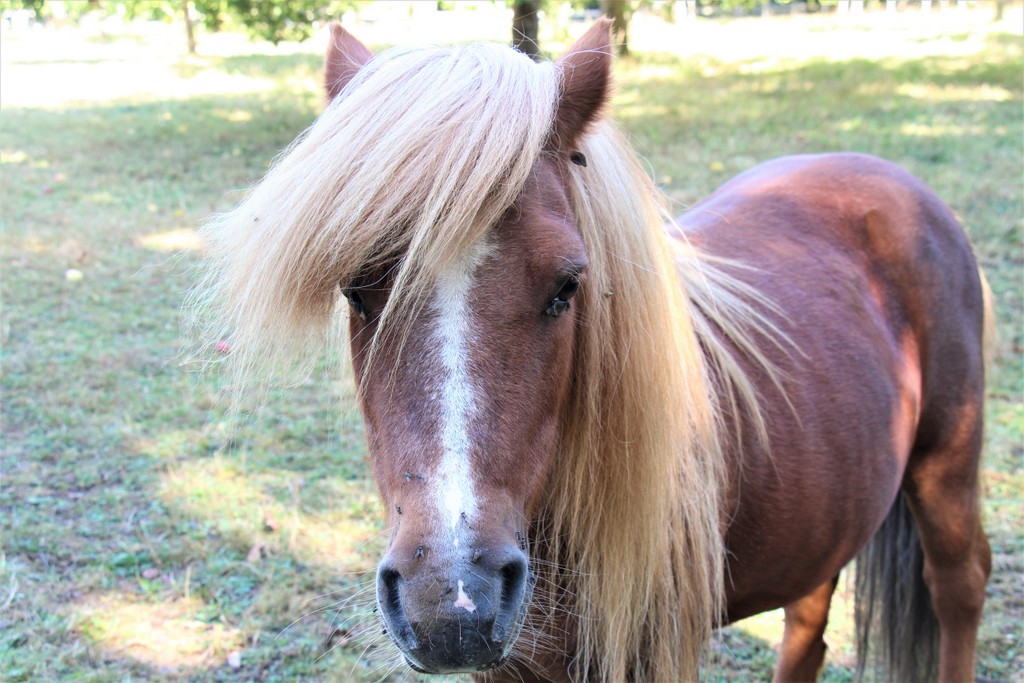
(411, 163)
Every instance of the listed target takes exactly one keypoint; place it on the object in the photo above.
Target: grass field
(145, 536)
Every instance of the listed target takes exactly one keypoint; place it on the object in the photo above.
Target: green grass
(147, 537)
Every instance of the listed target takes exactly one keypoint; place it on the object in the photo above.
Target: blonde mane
(636, 508)
(415, 161)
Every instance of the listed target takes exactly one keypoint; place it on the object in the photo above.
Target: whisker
(339, 604)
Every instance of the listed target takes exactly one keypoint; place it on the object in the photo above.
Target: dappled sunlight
(651, 71)
(839, 634)
(33, 245)
(234, 115)
(766, 66)
(172, 444)
(19, 157)
(16, 156)
(939, 129)
(263, 514)
(850, 124)
(172, 241)
(33, 85)
(625, 112)
(766, 626)
(163, 634)
(954, 93)
(61, 67)
(772, 41)
(101, 197)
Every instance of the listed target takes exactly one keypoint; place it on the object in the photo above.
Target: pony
(599, 432)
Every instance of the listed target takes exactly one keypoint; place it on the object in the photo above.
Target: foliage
(153, 10)
(273, 20)
(37, 7)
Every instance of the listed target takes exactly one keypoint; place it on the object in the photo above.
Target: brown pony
(598, 439)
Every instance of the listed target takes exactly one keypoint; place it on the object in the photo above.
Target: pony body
(597, 439)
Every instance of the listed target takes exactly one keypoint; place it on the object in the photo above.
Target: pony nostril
(513, 592)
(513, 576)
(389, 582)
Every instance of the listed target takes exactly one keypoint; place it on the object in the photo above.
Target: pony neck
(635, 513)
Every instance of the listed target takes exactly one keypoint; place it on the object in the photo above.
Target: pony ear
(345, 56)
(586, 82)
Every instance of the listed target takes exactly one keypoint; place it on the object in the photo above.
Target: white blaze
(463, 600)
(453, 482)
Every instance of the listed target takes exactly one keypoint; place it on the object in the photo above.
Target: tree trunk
(189, 29)
(617, 11)
(525, 25)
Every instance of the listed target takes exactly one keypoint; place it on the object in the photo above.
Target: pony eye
(560, 304)
(356, 302)
(569, 289)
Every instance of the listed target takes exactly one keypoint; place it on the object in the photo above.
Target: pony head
(463, 335)
(536, 400)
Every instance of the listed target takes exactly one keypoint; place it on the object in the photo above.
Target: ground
(147, 536)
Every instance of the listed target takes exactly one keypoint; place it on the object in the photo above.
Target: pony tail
(892, 605)
(990, 331)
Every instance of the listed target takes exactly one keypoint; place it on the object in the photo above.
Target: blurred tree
(619, 11)
(732, 6)
(190, 32)
(273, 20)
(525, 25)
(35, 6)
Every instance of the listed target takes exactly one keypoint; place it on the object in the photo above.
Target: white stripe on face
(453, 482)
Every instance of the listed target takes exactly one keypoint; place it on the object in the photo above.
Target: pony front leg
(803, 644)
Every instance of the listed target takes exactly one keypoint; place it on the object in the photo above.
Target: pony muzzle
(460, 617)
